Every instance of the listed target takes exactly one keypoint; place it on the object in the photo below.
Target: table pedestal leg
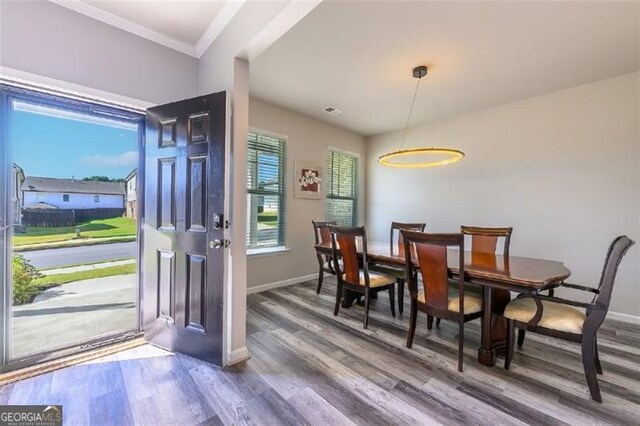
(348, 298)
(494, 325)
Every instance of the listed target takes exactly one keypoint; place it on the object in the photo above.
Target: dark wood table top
(510, 272)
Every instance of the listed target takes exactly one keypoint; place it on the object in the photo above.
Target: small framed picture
(308, 180)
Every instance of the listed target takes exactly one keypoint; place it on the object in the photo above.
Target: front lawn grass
(101, 228)
(52, 280)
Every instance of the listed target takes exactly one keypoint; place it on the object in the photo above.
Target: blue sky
(57, 144)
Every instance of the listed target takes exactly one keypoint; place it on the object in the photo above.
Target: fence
(53, 218)
(84, 215)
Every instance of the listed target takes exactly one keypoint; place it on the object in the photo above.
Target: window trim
(281, 246)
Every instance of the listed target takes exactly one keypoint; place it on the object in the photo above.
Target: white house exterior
(131, 189)
(71, 194)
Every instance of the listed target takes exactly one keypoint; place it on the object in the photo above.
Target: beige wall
(307, 140)
(563, 169)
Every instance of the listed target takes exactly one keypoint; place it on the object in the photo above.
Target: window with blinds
(342, 188)
(265, 191)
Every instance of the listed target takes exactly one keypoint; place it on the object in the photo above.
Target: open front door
(183, 227)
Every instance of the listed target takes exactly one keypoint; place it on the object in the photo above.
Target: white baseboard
(617, 316)
(269, 286)
(238, 355)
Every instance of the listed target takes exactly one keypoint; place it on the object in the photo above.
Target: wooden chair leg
(429, 322)
(392, 301)
(598, 365)
(367, 298)
(413, 316)
(461, 346)
(320, 277)
(438, 322)
(400, 295)
(589, 364)
(338, 298)
(521, 334)
(511, 337)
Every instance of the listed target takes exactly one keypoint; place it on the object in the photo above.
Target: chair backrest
(344, 246)
(429, 251)
(321, 230)
(616, 252)
(485, 240)
(397, 244)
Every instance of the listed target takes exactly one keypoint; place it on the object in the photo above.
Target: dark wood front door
(183, 230)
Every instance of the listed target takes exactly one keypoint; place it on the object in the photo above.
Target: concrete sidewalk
(90, 267)
(75, 312)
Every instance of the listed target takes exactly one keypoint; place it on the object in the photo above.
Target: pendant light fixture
(419, 157)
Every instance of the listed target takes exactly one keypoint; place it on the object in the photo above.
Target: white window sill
(267, 251)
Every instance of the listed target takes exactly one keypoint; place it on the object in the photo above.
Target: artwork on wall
(308, 180)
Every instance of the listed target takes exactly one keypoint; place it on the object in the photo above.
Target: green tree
(97, 178)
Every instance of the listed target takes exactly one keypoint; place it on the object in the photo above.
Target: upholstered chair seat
(555, 316)
(388, 270)
(472, 301)
(376, 279)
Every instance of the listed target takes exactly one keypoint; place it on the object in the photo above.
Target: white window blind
(342, 188)
(265, 191)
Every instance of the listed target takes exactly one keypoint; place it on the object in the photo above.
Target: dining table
(498, 275)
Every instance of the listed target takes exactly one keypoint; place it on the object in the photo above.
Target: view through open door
(183, 227)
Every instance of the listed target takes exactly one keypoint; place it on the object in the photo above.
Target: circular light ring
(454, 156)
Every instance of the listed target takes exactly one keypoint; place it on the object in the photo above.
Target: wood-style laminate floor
(309, 367)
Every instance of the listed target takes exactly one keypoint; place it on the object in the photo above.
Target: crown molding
(217, 25)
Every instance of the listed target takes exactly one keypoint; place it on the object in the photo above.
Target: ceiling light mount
(419, 71)
(419, 157)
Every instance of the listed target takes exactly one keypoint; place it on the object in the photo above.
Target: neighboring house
(17, 179)
(131, 188)
(71, 193)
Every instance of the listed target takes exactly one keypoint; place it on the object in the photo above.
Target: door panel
(184, 189)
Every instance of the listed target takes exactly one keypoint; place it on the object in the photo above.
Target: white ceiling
(185, 21)
(186, 26)
(358, 57)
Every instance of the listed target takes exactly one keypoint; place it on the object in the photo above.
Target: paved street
(75, 312)
(53, 258)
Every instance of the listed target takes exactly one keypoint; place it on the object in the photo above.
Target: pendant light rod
(418, 72)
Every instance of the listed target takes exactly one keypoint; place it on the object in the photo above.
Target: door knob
(215, 244)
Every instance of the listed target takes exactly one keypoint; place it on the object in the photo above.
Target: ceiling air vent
(332, 110)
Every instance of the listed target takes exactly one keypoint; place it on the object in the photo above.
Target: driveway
(53, 258)
(75, 312)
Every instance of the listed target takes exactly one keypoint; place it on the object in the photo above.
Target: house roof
(45, 184)
(133, 173)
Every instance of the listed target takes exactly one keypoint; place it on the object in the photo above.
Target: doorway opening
(71, 224)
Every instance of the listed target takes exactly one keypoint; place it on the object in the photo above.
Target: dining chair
(350, 275)
(322, 236)
(558, 317)
(438, 298)
(396, 246)
(485, 240)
